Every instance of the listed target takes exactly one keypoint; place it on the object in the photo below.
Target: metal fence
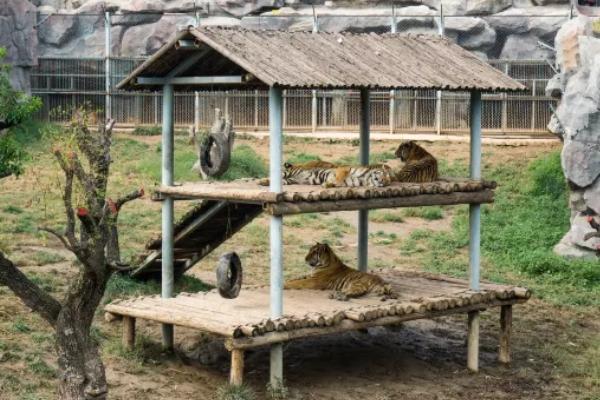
(64, 84)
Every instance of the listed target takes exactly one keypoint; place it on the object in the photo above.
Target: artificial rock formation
(490, 28)
(577, 122)
(17, 35)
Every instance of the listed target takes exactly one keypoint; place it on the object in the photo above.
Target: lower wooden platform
(244, 321)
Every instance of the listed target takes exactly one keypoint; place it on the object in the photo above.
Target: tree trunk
(82, 374)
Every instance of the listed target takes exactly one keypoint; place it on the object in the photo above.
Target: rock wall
(577, 122)
(491, 28)
(17, 35)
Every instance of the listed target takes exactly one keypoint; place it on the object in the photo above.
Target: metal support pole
(474, 231)
(363, 215)
(167, 207)
(276, 228)
(107, 40)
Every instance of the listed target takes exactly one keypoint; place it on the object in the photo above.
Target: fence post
(197, 111)
(438, 95)
(284, 111)
(314, 105)
(107, 43)
(256, 100)
(504, 122)
(394, 29)
(533, 105)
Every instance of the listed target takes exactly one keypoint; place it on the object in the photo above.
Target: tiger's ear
(287, 165)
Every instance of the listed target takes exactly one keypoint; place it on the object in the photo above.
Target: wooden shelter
(219, 58)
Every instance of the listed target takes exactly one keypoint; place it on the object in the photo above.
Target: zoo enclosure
(64, 83)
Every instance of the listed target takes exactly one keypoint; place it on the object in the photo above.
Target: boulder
(524, 46)
(577, 118)
(220, 21)
(240, 8)
(18, 36)
(548, 2)
(470, 32)
(57, 29)
(474, 7)
(510, 21)
(144, 40)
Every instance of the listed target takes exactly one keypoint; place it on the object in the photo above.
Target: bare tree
(91, 234)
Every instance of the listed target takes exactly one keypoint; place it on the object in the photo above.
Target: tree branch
(136, 194)
(58, 236)
(33, 297)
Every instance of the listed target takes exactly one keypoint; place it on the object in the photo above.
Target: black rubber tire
(210, 167)
(229, 275)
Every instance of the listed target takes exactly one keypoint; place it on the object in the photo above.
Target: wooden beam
(505, 333)
(349, 325)
(192, 80)
(236, 375)
(128, 333)
(286, 208)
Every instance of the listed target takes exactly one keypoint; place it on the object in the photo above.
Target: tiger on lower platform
(330, 273)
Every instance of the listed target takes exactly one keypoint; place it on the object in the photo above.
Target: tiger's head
(382, 176)
(320, 255)
(408, 150)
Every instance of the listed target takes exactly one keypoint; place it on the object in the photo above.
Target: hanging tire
(214, 155)
(229, 275)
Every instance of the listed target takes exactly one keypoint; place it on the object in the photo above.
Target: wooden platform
(244, 321)
(309, 198)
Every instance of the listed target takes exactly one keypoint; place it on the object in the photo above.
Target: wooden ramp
(244, 321)
(201, 230)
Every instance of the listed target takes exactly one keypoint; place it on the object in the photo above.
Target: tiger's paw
(328, 185)
(337, 295)
(264, 182)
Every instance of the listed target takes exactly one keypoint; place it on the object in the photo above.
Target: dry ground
(419, 360)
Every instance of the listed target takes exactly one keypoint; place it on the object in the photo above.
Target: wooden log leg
(236, 376)
(473, 341)
(129, 333)
(505, 333)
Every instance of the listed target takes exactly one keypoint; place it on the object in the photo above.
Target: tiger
(420, 166)
(329, 175)
(330, 273)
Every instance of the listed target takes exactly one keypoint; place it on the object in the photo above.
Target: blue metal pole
(363, 215)
(276, 228)
(474, 232)
(167, 208)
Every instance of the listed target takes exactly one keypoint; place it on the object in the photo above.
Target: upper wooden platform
(307, 313)
(309, 198)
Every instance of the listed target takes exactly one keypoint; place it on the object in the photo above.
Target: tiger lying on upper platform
(330, 273)
(420, 166)
(329, 175)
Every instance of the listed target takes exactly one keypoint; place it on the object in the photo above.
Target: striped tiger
(329, 175)
(330, 273)
(420, 166)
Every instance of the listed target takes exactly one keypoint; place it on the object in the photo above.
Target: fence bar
(276, 228)
(474, 231)
(107, 69)
(438, 94)
(363, 215)
(167, 281)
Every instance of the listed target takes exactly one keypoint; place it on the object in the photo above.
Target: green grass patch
(45, 257)
(428, 213)
(121, 286)
(153, 130)
(385, 216)
(235, 392)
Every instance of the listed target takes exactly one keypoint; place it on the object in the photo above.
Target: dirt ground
(418, 360)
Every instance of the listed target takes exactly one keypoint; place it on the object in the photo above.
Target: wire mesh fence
(65, 82)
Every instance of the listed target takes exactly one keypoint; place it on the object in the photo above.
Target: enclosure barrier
(64, 83)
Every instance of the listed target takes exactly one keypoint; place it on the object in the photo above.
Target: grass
(528, 218)
(121, 286)
(153, 130)
(385, 216)
(235, 392)
(428, 213)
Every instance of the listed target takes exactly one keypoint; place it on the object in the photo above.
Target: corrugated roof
(329, 60)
